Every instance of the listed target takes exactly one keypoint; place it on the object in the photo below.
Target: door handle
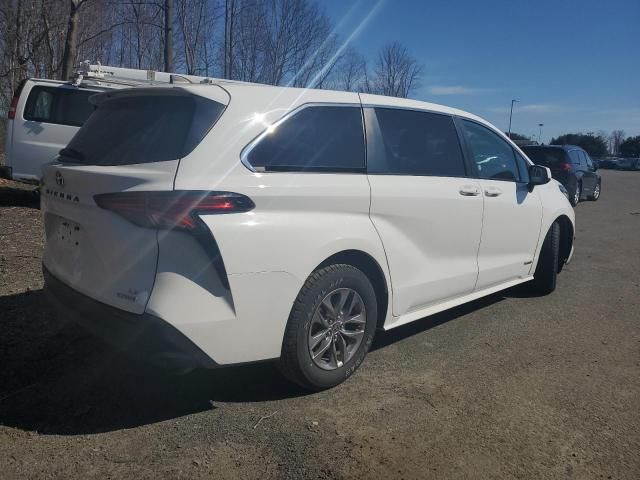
(469, 191)
(492, 191)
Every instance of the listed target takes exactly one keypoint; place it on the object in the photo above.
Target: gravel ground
(510, 386)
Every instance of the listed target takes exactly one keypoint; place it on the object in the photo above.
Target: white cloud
(530, 107)
(453, 90)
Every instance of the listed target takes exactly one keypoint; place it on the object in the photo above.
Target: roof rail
(104, 74)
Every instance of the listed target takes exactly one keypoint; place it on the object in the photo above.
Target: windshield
(545, 156)
(142, 129)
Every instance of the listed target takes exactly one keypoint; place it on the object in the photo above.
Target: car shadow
(11, 196)
(56, 379)
(382, 339)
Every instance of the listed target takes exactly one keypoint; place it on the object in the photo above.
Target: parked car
(607, 163)
(572, 167)
(628, 164)
(236, 223)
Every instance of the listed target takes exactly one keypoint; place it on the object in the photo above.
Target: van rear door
(47, 115)
(98, 199)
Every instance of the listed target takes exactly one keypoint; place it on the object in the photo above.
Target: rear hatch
(556, 159)
(131, 143)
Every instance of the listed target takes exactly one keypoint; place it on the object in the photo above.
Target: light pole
(511, 116)
(540, 132)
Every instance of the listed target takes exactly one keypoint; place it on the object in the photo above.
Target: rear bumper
(5, 172)
(145, 335)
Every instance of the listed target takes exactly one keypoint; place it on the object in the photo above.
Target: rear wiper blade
(71, 153)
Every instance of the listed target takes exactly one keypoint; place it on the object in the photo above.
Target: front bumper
(145, 336)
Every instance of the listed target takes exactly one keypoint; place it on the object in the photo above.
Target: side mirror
(538, 175)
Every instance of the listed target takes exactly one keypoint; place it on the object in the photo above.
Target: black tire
(595, 195)
(546, 274)
(576, 195)
(295, 362)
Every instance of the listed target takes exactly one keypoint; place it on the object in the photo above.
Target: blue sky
(574, 65)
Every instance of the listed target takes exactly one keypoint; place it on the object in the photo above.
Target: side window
(494, 157)
(587, 160)
(575, 157)
(523, 166)
(41, 105)
(409, 142)
(317, 138)
(63, 106)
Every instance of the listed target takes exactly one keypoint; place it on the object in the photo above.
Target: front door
(512, 213)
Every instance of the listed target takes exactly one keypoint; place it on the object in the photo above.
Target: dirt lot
(509, 386)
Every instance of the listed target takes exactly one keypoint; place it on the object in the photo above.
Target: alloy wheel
(337, 328)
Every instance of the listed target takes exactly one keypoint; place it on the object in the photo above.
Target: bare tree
(616, 138)
(71, 41)
(281, 42)
(396, 72)
(351, 72)
(168, 35)
(195, 25)
(230, 14)
(249, 43)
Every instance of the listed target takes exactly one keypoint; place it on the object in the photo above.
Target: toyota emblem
(59, 179)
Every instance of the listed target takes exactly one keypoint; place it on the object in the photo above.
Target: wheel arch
(566, 239)
(372, 269)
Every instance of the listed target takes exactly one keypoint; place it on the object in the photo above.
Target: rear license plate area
(68, 235)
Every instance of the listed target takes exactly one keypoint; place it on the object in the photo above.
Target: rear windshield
(142, 129)
(545, 156)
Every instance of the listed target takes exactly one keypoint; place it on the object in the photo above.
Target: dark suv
(572, 167)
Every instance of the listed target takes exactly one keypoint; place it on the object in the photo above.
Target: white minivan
(232, 223)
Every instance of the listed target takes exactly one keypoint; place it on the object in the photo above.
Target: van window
(144, 128)
(62, 106)
(493, 156)
(410, 142)
(588, 160)
(316, 138)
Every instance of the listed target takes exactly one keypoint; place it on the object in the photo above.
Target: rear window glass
(59, 105)
(142, 129)
(414, 143)
(317, 138)
(545, 156)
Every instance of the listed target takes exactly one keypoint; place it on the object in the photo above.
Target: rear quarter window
(58, 105)
(317, 138)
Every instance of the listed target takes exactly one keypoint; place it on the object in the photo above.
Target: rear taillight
(12, 107)
(566, 167)
(172, 210)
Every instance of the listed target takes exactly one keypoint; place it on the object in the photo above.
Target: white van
(233, 223)
(45, 114)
